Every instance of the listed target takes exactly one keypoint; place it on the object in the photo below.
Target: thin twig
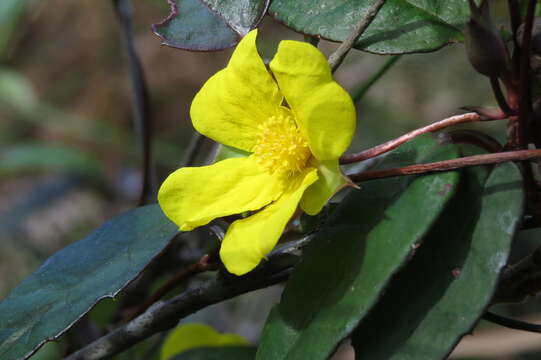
(314, 40)
(511, 83)
(141, 100)
(165, 315)
(338, 56)
(196, 143)
(525, 108)
(201, 266)
(446, 165)
(212, 153)
(511, 323)
(475, 138)
(359, 93)
(393, 144)
(498, 94)
(521, 280)
(514, 14)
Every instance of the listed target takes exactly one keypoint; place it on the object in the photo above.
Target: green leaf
(401, 26)
(104, 312)
(448, 285)
(71, 281)
(345, 268)
(209, 25)
(49, 351)
(46, 157)
(218, 353)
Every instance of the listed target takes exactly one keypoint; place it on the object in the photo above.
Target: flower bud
(484, 45)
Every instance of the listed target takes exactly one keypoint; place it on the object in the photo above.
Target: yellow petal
(190, 336)
(248, 240)
(194, 196)
(323, 109)
(232, 103)
(330, 180)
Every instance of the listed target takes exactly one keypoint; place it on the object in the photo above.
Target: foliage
(403, 263)
(69, 283)
(369, 236)
(400, 27)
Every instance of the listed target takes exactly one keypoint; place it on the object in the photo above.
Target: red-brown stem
(525, 108)
(200, 266)
(445, 165)
(514, 13)
(393, 144)
(498, 94)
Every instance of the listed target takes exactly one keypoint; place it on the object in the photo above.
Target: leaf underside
(209, 25)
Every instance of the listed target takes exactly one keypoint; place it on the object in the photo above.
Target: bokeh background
(70, 156)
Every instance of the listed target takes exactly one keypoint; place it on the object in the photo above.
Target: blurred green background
(69, 155)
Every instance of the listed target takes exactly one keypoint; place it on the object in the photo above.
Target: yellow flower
(295, 121)
(187, 337)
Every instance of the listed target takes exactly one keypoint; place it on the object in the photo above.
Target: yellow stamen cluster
(281, 148)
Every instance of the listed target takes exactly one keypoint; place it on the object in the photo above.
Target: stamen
(281, 148)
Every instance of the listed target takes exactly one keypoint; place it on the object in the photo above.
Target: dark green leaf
(218, 353)
(345, 268)
(241, 15)
(104, 312)
(207, 25)
(448, 285)
(49, 351)
(401, 26)
(71, 281)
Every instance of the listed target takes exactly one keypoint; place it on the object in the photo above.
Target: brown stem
(520, 280)
(511, 323)
(194, 148)
(525, 109)
(201, 266)
(140, 102)
(445, 165)
(165, 315)
(498, 94)
(338, 56)
(314, 40)
(393, 144)
(475, 138)
(514, 13)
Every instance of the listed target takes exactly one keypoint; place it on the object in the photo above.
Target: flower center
(281, 147)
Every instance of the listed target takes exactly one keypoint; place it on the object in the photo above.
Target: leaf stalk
(338, 56)
(393, 144)
(438, 166)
